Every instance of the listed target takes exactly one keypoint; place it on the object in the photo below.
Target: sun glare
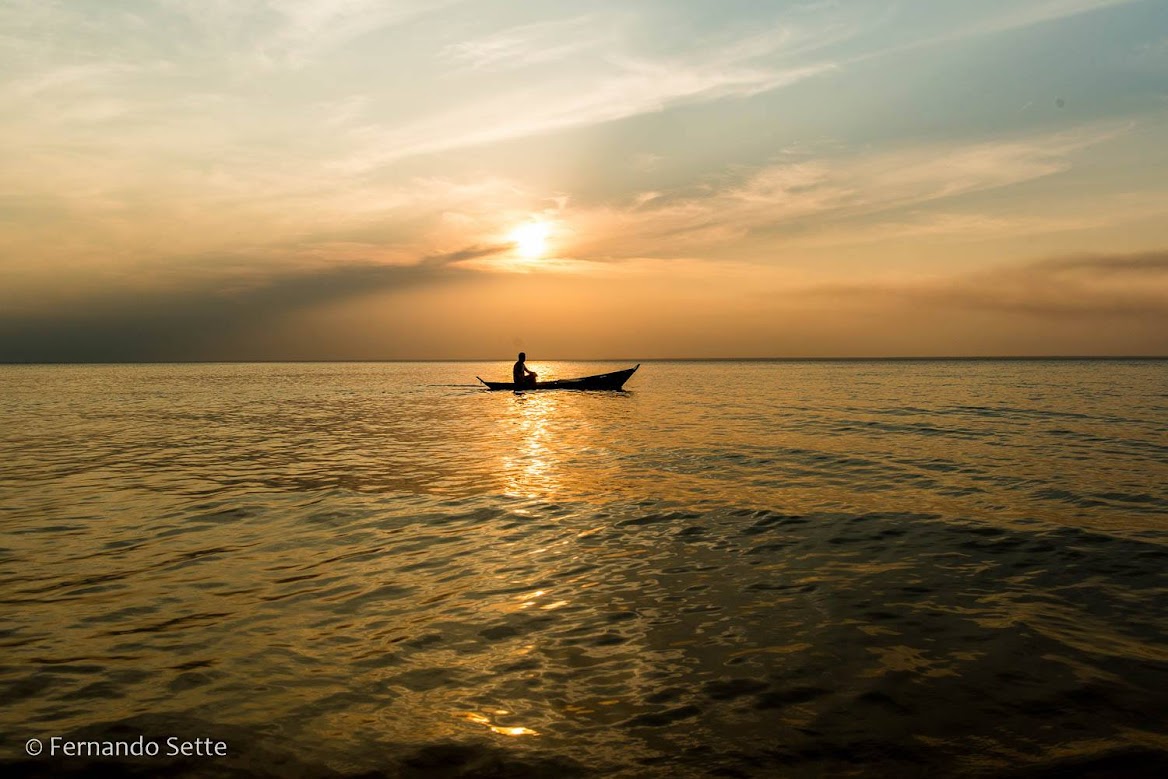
(530, 239)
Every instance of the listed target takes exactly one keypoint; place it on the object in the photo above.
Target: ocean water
(885, 568)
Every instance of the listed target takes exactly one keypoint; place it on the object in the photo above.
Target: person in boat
(520, 374)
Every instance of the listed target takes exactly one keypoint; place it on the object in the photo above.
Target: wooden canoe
(602, 381)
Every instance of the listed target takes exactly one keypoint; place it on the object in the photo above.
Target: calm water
(735, 569)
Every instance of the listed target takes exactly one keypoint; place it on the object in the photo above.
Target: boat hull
(602, 381)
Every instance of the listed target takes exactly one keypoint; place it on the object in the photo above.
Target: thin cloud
(1154, 264)
(88, 77)
(639, 86)
(201, 322)
(1079, 288)
(616, 82)
(462, 255)
(975, 226)
(528, 44)
(826, 196)
(1016, 16)
(1022, 15)
(300, 33)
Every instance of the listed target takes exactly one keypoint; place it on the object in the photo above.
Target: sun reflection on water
(378, 574)
(529, 468)
(482, 719)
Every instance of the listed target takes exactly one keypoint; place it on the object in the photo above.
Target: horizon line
(884, 358)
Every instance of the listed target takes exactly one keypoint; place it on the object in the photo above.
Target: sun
(530, 239)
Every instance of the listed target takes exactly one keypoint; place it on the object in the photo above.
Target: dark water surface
(733, 569)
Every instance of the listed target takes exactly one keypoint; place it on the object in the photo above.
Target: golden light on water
(530, 467)
(517, 731)
(485, 721)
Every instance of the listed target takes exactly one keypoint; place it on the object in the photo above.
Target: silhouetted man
(520, 375)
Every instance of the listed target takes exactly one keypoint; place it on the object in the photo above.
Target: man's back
(520, 375)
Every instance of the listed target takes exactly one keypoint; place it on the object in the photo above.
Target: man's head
(522, 356)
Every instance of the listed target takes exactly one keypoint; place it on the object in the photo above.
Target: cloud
(1021, 15)
(637, 87)
(842, 198)
(1014, 16)
(1081, 304)
(88, 77)
(1081, 288)
(1154, 264)
(294, 35)
(579, 72)
(528, 44)
(209, 320)
(185, 226)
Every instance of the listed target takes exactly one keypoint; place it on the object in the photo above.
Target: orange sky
(360, 180)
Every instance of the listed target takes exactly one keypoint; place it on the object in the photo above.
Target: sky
(434, 179)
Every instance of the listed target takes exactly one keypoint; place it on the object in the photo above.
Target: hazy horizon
(357, 180)
(532, 361)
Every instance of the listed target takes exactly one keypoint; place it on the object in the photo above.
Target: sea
(733, 568)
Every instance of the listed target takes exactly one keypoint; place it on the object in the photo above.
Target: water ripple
(742, 571)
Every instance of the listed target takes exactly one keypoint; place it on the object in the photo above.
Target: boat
(602, 381)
